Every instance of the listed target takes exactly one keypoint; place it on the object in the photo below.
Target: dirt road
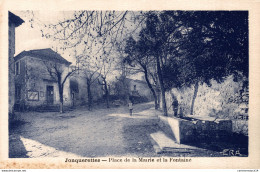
(82, 133)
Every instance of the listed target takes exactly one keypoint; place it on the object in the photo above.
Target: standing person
(175, 105)
(130, 106)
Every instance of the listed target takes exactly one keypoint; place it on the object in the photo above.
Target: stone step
(164, 144)
(53, 109)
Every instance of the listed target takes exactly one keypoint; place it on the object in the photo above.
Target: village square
(128, 83)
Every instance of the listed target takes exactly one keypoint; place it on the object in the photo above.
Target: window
(17, 68)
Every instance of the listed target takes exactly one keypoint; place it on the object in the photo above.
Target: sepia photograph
(90, 86)
(135, 83)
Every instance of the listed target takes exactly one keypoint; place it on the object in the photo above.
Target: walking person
(130, 106)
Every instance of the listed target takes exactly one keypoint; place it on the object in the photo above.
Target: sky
(30, 38)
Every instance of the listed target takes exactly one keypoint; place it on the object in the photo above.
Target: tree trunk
(159, 73)
(106, 93)
(126, 91)
(158, 96)
(61, 97)
(89, 95)
(196, 88)
(61, 107)
(151, 88)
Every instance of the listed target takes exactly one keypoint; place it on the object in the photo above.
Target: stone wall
(195, 130)
(226, 100)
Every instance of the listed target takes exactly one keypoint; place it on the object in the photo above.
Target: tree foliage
(185, 48)
(215, 47)
(192, 47)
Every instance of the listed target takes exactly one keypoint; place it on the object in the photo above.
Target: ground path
(101, 132)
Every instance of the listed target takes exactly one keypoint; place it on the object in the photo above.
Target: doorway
(49, 95)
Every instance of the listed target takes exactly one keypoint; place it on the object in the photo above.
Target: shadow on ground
(232, 145)
(138, 139)
(16, 146)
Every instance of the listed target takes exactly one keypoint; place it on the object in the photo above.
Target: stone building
(125, 87)
(140, 88)
(34, 85)
(14, 21)
(79, 88)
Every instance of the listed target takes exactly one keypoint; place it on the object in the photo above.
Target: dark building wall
(13, 21)
(11, 51)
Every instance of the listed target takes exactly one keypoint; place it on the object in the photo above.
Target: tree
(105, 70)
(159, 37)
(91, 77)
(97, 32)
(139, 57)
(122, 84)
(213, 47)
(91, 73)
(186, 47)
(212, 57)
(60, 75)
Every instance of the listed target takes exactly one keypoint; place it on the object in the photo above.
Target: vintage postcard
(109, 84)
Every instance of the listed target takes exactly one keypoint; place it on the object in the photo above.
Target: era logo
(231, 152)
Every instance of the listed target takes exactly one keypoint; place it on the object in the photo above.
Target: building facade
(79, 88)
(34, 84)
(13, 22)
(127, 88)
(140, 88)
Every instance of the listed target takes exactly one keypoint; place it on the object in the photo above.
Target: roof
(15, 19)
(44, 54)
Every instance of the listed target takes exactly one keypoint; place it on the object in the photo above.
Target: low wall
(225, 100)
(194, 130)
